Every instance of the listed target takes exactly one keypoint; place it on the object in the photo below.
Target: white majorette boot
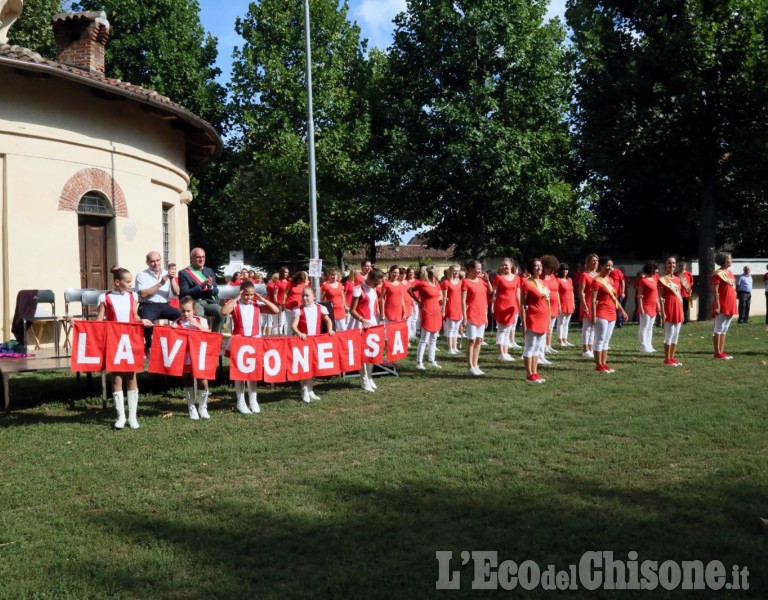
(311, 387)
(305, 394)
(202, 408)
(242, 408)
(253, 402)
(120, 408)
(190, 394)
(133, 405)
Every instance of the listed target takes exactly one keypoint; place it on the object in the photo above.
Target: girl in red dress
(474, 307)
(413, 314)
(393, 293)
(647, 294)
(550, 265)
(506, 306)
(567, 304)
(122, 305)
(428, 300)
(333, 291)
(588, 273)
(451, 308)
(246, 311)
(281, 287)
(307, 321)
(189, 320)
(724, 305)
(603, 311)
(670, 296)
(535, 315)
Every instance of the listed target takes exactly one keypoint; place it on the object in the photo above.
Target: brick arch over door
(89, 180)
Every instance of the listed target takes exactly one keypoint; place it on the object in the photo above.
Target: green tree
(269, 188)
(33, 30)
(478, 95)
(670, 113)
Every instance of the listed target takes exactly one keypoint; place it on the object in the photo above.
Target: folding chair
(89, 302)
(43, 316)
(227, 292)
(71, 296)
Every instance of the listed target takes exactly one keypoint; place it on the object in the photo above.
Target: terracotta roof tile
(404, 252)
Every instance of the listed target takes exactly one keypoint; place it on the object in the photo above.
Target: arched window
(94, 203)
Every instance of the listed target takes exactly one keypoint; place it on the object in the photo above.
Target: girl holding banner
(603, 311)
(428, 299)
(188, 320)
(246, 310)
(670, 296)
(306, 322)
(364, 310)
(122, 305)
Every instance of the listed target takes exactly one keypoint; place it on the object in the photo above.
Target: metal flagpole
(314, 251)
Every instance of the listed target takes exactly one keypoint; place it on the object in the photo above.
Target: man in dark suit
(199, 281)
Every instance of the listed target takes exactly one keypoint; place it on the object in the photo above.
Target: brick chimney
(81, 39)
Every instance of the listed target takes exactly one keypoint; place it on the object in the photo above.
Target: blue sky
(373, 16)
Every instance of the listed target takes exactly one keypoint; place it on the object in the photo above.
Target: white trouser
(427, 339)
(563, 321)
(603, 333)
(671, 333)
(534, 344)
(645, 332)
(587, 332)
(503, 334)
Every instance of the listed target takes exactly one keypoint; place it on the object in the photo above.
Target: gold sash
(672, 286)
(684, 281)
(609, 288)
(723, 274)
(543, 289)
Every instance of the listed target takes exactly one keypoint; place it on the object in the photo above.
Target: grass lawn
(351, 496)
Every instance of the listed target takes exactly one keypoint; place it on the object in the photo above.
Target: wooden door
(93, 253)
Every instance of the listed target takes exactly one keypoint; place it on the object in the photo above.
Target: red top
(648, 288)
(673, 306)
(245, 321)
(477, 300)
(567, 302)
(271, 292)
(553, 283)
(586, 279)
(280, 286)
(408, 299)
(349, 286)
(453, 299)
(429, 295)
(507, 306)
(726, 291)
(616, 278)
(606, 306)
(689, 278)
(303, 325)
(393, 300)
(537, 314)
(293, 298)
(334, 295)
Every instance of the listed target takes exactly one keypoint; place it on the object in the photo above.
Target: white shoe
(434, 364)
(372, 383)
(120, 408)
(515, 346)
(483, 343)
(193, 412)
(478, 371)
(202, 409)
(544, 361)
(305, 395)
(366, 386)
(253, 403)
(242, 407)
(455, 351)
(588, 354)
(133, 404)
(313, 396)
(550, 350)
(420, 367)
(472, 371)
(505, 358)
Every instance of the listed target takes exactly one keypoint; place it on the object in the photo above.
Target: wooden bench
(14, 366)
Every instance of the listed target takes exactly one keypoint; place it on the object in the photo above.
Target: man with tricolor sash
(199, 281)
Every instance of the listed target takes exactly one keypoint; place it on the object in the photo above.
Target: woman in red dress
(567, 305)
(670, 296)
(588, 273)
(393, 294)
(412, 315)
(474, 309)
(349, 287)
(451, 307)
(333, 291)
(603, 312)
(647, 300)
(506, 306)
(724, 305)
(550, 265)
(428, 300)
(535, 315)
(292, 295)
